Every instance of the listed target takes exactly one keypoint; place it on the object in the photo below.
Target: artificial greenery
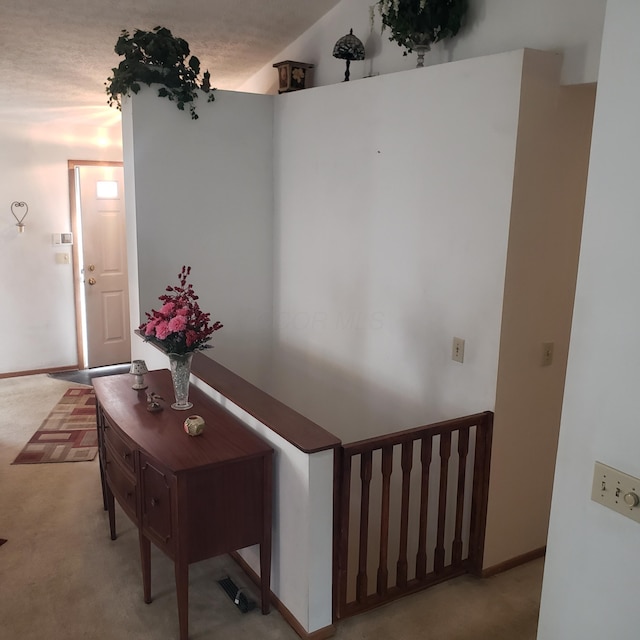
(157, 57)
(420, 22)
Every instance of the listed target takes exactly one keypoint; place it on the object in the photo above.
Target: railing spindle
(407, 463)
(425, 461)
(445, 454)
(387, 468)
(365, 477)
(447, 511)
(463, 450)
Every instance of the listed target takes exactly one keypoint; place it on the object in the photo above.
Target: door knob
(92, 281)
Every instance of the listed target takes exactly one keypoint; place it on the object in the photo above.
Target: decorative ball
(194, 425)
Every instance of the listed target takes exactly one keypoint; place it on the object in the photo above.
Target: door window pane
(106, 189)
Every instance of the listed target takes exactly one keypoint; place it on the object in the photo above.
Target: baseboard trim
(291, 620)
(514, 562)
(33, 372)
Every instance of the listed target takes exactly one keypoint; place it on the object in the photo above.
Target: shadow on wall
(342, 400)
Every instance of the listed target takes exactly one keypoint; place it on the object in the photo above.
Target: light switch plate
(617, 490)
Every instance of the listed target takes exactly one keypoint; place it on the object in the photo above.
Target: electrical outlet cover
(457, 350)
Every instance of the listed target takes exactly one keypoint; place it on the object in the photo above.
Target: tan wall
(544, 241)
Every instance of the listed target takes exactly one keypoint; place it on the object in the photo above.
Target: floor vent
(237, 596)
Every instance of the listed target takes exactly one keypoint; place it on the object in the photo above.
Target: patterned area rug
(69, 432)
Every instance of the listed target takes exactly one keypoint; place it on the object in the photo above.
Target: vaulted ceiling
(57, 54)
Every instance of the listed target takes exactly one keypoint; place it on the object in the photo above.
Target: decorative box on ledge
(292, 76)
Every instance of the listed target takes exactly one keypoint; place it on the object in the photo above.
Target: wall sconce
(138, 369)
(17, 206)
(348, 48)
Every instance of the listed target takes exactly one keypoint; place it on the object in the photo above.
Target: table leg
(103, 484)
(265, 545)
(265, 576)
(111, 509)
(145, 562)
(182, 592)
(101, 454)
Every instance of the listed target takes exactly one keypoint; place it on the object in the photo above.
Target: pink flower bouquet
(180, 326)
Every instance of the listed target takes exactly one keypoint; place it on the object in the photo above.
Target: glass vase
(180, 365)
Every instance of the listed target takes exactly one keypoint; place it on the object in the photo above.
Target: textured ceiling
(57, 54)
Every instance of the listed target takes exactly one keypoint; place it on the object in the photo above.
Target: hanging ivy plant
(415, 23)
(157, 57)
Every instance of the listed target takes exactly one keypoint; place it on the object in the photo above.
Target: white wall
(201, 192)
(591, 577)
(404, 220)
(393, 203)
(571, 27)
(393, 216)
(36, 145)
(372, 232)
(302, 562)
(38, 319)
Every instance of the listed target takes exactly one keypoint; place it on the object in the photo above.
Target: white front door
(103, 264)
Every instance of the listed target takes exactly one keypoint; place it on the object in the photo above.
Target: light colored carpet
(62, 577)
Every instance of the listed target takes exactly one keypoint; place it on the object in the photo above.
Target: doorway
(100, 263)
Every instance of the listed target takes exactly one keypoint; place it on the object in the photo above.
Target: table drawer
(156, 503)
(122, 483)
(120, 447)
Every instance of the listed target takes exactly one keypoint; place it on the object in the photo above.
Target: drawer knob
(154, 502)
(126, 455)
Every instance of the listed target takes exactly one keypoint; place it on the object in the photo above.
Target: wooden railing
(433, 511)
(384, 518)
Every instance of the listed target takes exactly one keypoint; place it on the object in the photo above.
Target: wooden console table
(193, 497)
